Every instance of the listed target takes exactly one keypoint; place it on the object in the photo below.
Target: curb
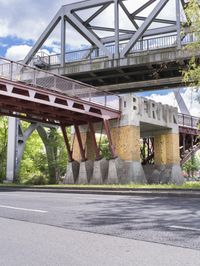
(190, 193)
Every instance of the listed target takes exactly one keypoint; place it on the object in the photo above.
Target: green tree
(3, 146)
(104, 147)
(191, 75)
(45, 157)
(191, 166)
(34, 163)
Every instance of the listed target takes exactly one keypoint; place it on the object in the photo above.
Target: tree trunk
(50, 152)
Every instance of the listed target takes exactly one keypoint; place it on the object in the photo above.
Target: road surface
(98, 230)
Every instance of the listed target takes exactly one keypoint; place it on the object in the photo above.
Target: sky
(23, 21)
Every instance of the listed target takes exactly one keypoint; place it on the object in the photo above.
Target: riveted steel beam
(144, 27)
(53, 105)
(74, 20)
(63, 36)
(43, 37)
(66, 140)
(99, 11)
(108, 133)
(87, 4)
(141, 8)
(129, 15)
(158, 20)
(80, 143)
(178, 23)
(92, 134)
(148, 33)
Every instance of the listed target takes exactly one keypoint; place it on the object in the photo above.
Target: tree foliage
(104, 148)
(191, 75)
(3, 146)
(191, 166)
(45, 156)
(44, 159)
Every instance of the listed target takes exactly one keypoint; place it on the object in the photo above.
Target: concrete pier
(140, 118)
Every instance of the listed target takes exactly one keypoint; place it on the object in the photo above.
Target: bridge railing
(188, 121)
(19, 72)
(94, 53)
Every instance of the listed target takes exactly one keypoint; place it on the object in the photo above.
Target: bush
(36, 180)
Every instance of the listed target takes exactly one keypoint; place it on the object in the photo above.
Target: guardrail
(188, 121)
(19, 72)
(94, 53)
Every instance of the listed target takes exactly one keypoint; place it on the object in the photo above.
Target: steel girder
(87, 30)
(144, 26)
(50, 107)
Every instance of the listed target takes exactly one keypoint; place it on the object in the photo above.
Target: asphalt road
(98, 230)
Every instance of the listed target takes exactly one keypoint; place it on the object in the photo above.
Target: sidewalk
(194, 193)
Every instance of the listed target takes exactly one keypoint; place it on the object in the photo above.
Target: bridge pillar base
(112, 177)
(164, 174)
(72, 173)
(130, 172)
(85, 172)
(175, 174)
(100, 172)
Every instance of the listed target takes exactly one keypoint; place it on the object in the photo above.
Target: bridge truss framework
(141, 26)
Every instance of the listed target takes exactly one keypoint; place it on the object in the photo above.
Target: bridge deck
(151, 64)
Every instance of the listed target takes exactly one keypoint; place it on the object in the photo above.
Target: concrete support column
(167, 159)
(166, 149)
(126, 140)
(78, 171)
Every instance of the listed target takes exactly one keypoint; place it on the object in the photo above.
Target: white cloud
(4, 29)
(17, 52)
(27, 19)
(189, 96)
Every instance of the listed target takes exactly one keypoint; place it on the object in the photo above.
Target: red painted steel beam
(96, 148)
(36, 96)
(80, 143)
(111, 146)
(66, 140)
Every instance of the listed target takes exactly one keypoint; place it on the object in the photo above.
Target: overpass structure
(39, 96)
(138, 46)
(141, 49)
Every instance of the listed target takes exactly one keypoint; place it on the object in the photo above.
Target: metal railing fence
(94, 53)
(19, 72)
(188, 121)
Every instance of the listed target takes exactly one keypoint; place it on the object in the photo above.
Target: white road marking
(9, 194)
(184, 228)
(22, 209)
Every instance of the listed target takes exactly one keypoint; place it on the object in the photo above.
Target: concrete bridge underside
(159, 69)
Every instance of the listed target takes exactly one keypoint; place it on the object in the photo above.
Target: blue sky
(23, 21)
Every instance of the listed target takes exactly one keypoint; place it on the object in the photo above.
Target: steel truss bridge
(140, 49)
